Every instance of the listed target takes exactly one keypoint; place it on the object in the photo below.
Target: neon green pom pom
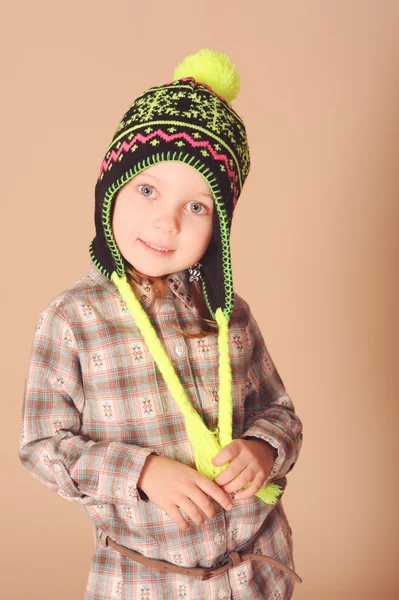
(212, 68)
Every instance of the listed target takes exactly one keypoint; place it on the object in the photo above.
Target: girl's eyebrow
(144, 174)
(207, 194)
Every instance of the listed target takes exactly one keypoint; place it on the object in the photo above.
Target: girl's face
(168, 205)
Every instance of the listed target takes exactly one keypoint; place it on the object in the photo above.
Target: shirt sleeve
(269, 411)
(52, 446)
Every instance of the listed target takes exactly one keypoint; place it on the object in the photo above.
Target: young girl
(151, 398)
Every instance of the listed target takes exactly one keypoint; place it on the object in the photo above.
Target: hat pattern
(181, 121)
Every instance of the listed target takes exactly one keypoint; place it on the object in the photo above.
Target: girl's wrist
(143, 473)
(270, 447)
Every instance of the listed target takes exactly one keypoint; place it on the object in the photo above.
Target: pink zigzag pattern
(125, 146)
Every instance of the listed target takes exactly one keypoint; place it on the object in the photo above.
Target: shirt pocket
(124, 383)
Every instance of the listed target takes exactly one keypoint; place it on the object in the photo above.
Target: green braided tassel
(271, 493)
(206, 444)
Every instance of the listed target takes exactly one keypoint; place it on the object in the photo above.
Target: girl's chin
(157, 270)
(161, 273)
(152, 272)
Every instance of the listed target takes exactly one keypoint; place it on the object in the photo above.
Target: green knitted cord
(206, 444)
(225, 381)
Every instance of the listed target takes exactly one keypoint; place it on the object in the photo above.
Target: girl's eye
(146, 190)
(198, 209)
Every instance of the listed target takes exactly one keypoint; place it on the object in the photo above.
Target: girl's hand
(251, 461)
(172, 485)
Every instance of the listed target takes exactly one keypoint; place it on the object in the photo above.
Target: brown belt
(232, 560)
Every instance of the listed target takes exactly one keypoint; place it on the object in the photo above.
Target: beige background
(314, 248)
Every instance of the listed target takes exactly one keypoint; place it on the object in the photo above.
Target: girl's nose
(167, 221)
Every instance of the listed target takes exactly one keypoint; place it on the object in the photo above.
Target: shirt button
(222, 593)
(57, 468)
(118, 492)
(179, 349)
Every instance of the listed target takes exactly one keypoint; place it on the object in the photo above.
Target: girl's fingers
(232, 471)
(204, 504)
(227, 453)
(211, 489)
(251, 489)
(191, 510)
(242, 479)
(177, 517)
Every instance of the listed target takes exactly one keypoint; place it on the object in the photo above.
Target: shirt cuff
(285, 447)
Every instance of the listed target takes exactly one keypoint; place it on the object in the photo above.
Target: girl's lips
(154, 251)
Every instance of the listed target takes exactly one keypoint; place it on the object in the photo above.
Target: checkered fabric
(95, 406)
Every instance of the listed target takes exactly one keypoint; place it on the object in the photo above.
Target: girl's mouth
(159, 251)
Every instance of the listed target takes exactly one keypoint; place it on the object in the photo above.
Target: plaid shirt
(96, 406)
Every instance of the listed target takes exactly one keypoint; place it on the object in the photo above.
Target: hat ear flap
(217, 277)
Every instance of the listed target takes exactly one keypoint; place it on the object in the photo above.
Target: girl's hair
(207, 326)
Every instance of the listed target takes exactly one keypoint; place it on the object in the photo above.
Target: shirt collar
(177, 283)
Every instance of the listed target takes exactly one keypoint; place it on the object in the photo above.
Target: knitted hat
(189, 120)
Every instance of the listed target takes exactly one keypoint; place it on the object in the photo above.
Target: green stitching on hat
(207, 300)
(109, 236)
(97, 263)
(226, 264)
(181, 124)
(222, 213)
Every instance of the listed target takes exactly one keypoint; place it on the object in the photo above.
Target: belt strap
(233, 560)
